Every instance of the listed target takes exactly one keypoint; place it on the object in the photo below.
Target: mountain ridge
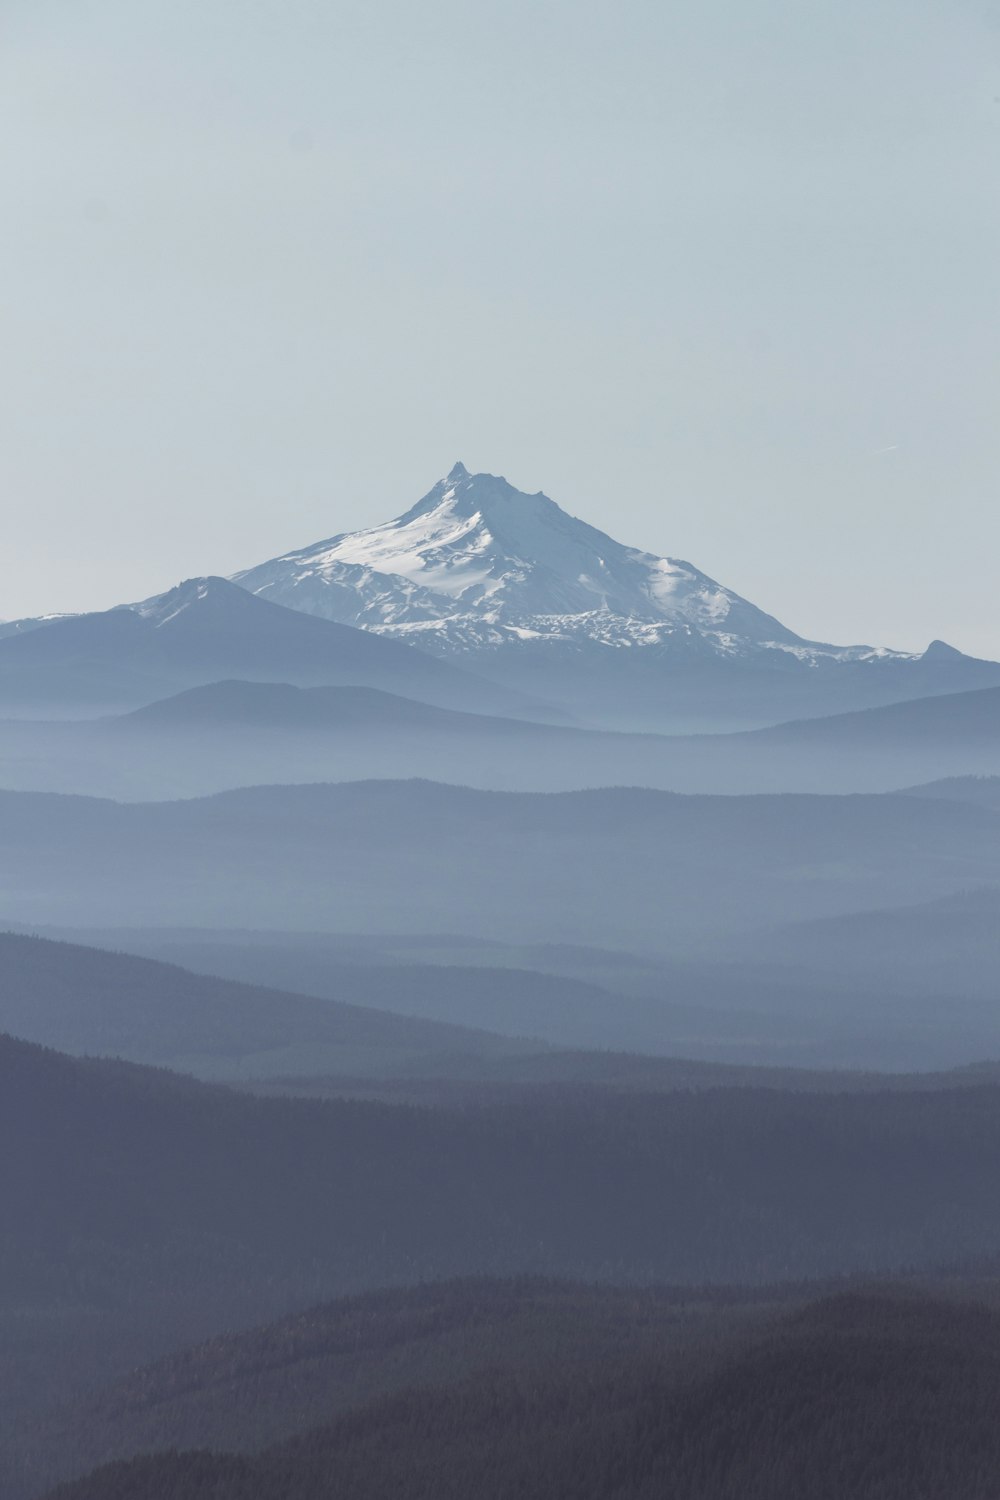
(207, 628)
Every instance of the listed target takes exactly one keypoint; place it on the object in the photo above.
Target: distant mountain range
(479, 571)
(144, 1211)
(479, 598)
(621, 867)
(221, 735)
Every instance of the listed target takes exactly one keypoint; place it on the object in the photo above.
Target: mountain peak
(476, 562)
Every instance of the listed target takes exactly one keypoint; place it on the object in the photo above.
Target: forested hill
(854, 1398)
(128, 1179)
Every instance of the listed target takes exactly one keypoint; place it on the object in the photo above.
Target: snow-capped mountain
(477, 564)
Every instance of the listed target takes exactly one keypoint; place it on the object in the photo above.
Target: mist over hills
(944, 947)
(749, 1003)
(231, 733)
(410, 1018)
(85, 1001)
(622, 867)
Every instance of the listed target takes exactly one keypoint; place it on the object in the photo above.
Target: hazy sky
(721, 276)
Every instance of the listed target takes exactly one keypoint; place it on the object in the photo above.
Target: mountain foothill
(486, 1009)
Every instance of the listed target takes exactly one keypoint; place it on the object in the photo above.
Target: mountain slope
(206, 629)
(143, 1210)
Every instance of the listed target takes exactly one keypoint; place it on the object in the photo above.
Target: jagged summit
(476, 563)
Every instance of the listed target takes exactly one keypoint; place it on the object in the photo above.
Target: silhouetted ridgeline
(854, 1398)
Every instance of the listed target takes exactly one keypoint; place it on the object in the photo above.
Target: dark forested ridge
(144, 1210)
(856, 1397)
(243, 1391)
(153, 1177)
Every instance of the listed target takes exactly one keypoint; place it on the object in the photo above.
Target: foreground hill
(244, 1391)
(132, 1184)
(618, 867)
(859, 1397)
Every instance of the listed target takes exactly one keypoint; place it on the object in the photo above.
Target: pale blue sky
(720, 276)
